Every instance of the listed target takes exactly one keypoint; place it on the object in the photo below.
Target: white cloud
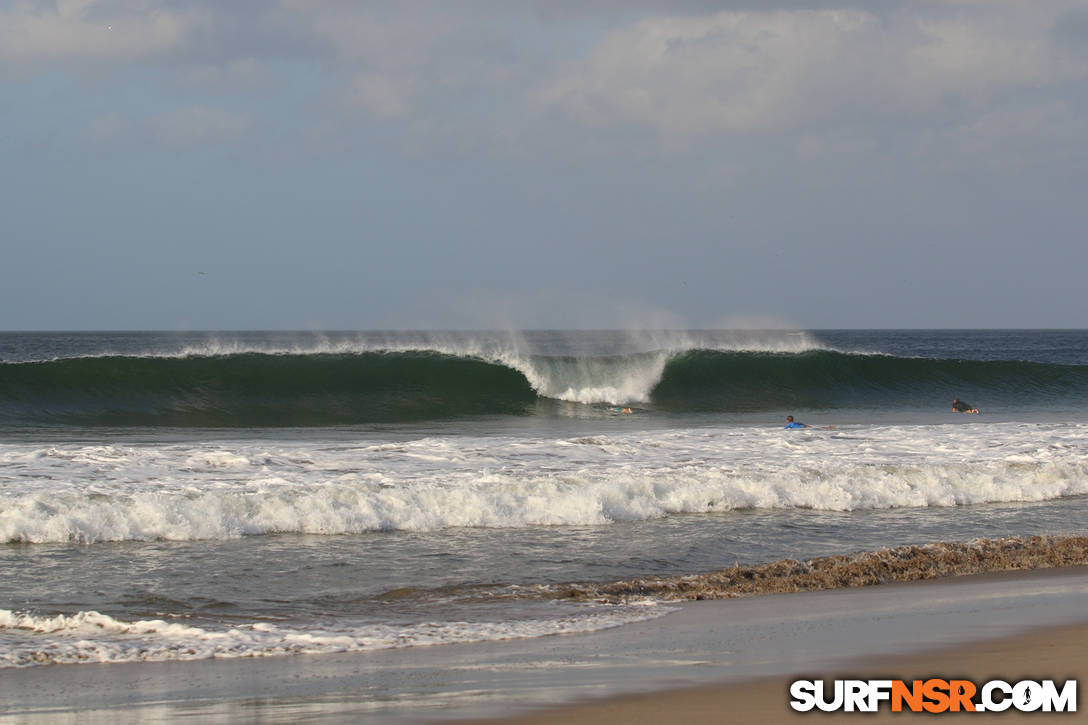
(1012, 137)
(183, 127)
(403, 41)
(199, 125)
(423, 59)
(384, 95)
(89, 30)
(108, 127)
(770, 71)
(814, 146)
(479, 70)
(244, 73)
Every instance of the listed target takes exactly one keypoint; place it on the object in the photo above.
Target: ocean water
(184, 496)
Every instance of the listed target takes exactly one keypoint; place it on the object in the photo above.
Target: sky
(335, 164)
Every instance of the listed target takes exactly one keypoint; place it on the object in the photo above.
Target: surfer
(958, 406)
(792, 424)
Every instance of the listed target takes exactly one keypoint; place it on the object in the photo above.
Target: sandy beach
(705, 659)
(1050, 653)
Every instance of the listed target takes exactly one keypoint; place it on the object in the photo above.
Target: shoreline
(761, 639)
(1054, 652)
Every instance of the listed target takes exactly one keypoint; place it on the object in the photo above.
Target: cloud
(1012, 137)
(489, 74)
(183, 127)
(85, 30)
(384, 95)
(833, 145)
(689, 76)
(196, 125)
(419, 58)
(226, 75)
(108, 127)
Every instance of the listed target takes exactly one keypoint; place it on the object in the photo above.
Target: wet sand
(1058, 653)
(958, 626)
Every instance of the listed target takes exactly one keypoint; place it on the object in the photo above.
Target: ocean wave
(94, 494)
(30, 639)
(92, 637)
(265, 389)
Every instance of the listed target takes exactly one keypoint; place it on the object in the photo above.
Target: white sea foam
(86, 637)
(221, 490)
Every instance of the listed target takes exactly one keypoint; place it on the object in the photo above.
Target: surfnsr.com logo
(933, 695)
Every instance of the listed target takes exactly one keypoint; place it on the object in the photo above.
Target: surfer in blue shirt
(791, 423)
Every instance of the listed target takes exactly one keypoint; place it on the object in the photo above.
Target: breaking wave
(261, 389)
